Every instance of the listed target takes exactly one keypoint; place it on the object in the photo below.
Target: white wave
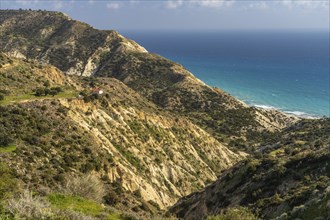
(298, 114)
(268, 107)
(301, 114)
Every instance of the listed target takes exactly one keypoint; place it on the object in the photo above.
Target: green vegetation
(85, 206)
(48, 91)
(132, 159)
(10, 99)
(67, 146)
(289, 178)
(57, 206)
(8, 182)
(317, 210)
(235, 213)
(75, 203)
(7, 149)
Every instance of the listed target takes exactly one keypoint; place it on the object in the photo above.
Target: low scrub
(8, 182)
(87, 186)
(235, 213)
(27, 206)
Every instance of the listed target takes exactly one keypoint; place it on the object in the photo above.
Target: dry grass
(87, 186)
(27, 206)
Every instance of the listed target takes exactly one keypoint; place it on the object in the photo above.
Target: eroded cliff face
(119, 135)
(161, 157)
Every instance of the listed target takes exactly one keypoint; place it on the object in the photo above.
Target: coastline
(255, 71)
(297, 114)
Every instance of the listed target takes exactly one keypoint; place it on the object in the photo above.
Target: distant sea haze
(284, 70)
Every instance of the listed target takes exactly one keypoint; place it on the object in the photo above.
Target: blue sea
(286, 70)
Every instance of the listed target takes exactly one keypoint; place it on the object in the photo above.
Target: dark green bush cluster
(5, 138)
(89, 97)
(48, 91)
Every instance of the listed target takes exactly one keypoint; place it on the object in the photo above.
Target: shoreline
(298, 114)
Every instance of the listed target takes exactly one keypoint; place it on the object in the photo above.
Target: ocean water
(286, 70)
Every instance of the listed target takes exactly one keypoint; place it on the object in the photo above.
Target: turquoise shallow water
(284, 70)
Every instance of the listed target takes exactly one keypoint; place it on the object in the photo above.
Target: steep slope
(76, 48)
(19, 77)
(119, 136)
(291, 180)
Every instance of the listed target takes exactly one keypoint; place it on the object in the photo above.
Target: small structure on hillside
(97, 91)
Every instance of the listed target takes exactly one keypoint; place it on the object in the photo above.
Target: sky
(183, 15)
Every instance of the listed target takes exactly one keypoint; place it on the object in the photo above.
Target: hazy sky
(189, 14)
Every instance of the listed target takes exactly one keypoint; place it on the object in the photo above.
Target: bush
(87, 186)
(46, 91)
(235, 213)
(46, 83)
(2, 97)
(39, 92)
(5, 138)
(111, 198)
(8, 183)
(28, 207)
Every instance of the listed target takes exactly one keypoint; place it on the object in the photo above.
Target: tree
(53, 92)
(47, 83)
(40, 92)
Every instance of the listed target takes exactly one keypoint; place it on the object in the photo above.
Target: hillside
(120, 137)
(77, 48)
(93, 126)
(289, 180)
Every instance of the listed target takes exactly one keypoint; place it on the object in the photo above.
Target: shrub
(2, 97)
(48, 91)
(87, 186)
(8, 184)
(5, 138)
(39, 92)
(111, 198)
(28, 207)
(235, 213)
(46, 83)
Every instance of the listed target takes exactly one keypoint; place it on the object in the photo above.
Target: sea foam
(268, 107)
(298, 114)
(301, 114)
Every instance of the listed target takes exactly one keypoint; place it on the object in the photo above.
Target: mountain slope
(290, 180)
(120, 136)
(76, 48)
